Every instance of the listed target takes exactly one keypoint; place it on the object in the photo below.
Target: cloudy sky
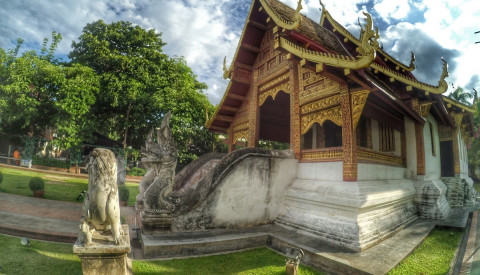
(204, 31)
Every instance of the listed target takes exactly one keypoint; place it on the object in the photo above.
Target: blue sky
(204, 31)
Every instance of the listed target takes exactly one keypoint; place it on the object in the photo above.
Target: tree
(140, 84)
(461, 96)
(37, 93)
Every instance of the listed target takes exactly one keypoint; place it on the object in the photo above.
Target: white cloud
(392, 9)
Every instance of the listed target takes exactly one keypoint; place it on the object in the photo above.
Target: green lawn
(433, 256)
(40, 258)
(57, 187)
(53, 258)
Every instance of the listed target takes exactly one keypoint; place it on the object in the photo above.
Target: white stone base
(431, 199)
(356, 215)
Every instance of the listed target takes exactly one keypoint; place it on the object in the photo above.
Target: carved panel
(240, 127)
(331, 154)
(239, 135)
(458, 119)
(444, 133)
(378, 157)
(243, 74)
(314, 86)
(358, 102)
(425, 109)
(320, 104)
(272, 88)
(334, 114)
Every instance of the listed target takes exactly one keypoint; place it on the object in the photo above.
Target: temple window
(364, 137)
(328, 135)
(386, 138)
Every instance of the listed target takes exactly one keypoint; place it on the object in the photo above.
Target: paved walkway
(46, 219)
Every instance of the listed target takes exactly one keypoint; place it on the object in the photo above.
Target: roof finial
(226, 72)
(322, 9)
(442, 83)
(412, 60)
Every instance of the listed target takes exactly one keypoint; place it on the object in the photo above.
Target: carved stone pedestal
(155, 223)
(103, 257)
(291, 268)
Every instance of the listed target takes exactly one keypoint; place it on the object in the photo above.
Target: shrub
(123, 193)
(1, 176)
(36, 183)
(135, 171)
(51, 162)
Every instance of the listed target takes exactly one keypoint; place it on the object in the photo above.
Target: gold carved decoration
(373, 156)
(323, 155)
(425, 108)
(279, 21)
(272, 88)
(358, 101)
(239, 135)
(334, 114)
(240, 127)
(458, 119)
(458, 104)
(320, 104)
(316, 86)
(274, 82)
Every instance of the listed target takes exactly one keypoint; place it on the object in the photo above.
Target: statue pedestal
(155, 223)
(104, 257)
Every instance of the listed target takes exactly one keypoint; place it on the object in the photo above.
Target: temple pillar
(456, 156)
(419, 140)
(295, 110)
(231, 145)
(253, 113)
(349, 140)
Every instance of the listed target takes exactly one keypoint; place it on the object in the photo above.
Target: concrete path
(46, 219)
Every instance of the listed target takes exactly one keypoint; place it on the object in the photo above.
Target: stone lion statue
(101, 209)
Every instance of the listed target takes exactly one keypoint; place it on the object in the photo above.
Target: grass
(39, 258)
(433, 256)
(53, 258)
(257, 261)
(57, 187)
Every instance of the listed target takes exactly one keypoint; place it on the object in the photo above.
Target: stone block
(431, 199)
(103, 257)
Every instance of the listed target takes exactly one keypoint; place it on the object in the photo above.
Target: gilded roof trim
(440, 89)
(367, 47)
(279, 21)
(458, 104)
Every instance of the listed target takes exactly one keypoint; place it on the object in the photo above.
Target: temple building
(375, 148)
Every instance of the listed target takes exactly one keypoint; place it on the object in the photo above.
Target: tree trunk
(126, 126)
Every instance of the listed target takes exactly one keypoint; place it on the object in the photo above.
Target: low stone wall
(355, 215)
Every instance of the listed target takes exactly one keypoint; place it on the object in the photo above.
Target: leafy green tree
(140, 84)
(37, 93)
(461, 96)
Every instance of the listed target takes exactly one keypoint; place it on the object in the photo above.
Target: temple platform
(318, 253)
